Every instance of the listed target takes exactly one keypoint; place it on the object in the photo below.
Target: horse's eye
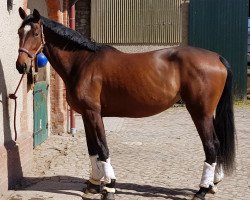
(36, 34)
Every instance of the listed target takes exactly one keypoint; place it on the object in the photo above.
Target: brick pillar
(65, 13)
(58, 102)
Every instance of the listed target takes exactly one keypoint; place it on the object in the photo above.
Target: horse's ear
(36, 15)
(22, 13)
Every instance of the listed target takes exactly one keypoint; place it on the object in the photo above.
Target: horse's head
(31, 40)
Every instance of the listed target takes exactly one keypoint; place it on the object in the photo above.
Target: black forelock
(29, 20)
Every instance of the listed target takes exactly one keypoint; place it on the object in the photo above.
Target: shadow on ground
(154, 191)
(67, 185)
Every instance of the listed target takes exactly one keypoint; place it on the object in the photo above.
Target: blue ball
(41, 60)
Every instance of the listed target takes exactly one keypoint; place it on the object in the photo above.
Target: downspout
(72, 112)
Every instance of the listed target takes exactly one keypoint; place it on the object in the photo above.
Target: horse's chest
(74, 101)
(71, 102)
(80, 102)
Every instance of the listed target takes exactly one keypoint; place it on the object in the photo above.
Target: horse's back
(144, 84)
(139, 85)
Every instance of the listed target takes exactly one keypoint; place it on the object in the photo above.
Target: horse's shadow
(154, 191)
(73, 186)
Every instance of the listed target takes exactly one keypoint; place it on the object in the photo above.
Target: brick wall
(57, 97)
(83, 17)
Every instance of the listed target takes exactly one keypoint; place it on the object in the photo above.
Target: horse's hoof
(108, 196)
(213, 190)
(92, 188)
(200, 195)
(196, 198)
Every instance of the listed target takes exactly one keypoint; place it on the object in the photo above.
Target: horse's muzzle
(21, 68)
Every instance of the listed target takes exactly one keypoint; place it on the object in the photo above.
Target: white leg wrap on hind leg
(96, 170)
(108, 171)
(207, 178)
(218, 174)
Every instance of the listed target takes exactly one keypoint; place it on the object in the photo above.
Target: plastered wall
(9, 77)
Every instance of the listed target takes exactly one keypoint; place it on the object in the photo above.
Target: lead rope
(13, 96)
(32, 56)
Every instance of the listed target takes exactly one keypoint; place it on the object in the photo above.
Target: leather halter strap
(31, 55)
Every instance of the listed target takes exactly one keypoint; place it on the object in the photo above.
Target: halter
(32, 56)
(40, 49)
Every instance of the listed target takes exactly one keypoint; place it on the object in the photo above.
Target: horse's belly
(130, 107)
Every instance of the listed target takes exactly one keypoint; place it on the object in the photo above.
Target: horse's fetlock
(111, 184)
(92, 188)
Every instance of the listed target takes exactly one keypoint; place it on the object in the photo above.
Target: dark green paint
(40, 113)
(221, 26)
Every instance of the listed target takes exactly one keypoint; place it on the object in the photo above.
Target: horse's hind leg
(99, 156)
(205, 128)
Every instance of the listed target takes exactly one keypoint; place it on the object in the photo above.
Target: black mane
(73, 38)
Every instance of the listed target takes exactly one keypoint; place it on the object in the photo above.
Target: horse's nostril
(24, 67)
(20, 68)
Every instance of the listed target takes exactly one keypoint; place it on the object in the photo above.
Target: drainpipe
(72, 112)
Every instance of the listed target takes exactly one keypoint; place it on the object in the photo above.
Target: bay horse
(102, 81)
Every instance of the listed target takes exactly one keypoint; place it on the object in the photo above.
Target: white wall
(9, 76)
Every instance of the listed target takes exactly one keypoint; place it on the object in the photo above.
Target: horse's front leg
(101, 169)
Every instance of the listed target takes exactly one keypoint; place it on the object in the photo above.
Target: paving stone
(157, 158)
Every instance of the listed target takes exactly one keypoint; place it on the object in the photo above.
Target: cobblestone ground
(159, 157)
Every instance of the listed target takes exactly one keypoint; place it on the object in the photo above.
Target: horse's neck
(63, 61)
(57, 60)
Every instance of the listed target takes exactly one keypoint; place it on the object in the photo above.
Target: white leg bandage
(218, 174)
(108, 171)
(96, 170)
(100, 171)
(207, 177)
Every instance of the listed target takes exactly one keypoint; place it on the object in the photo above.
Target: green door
(221, 26)
(40, 113)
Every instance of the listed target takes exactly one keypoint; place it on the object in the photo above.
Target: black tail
(224, 124)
